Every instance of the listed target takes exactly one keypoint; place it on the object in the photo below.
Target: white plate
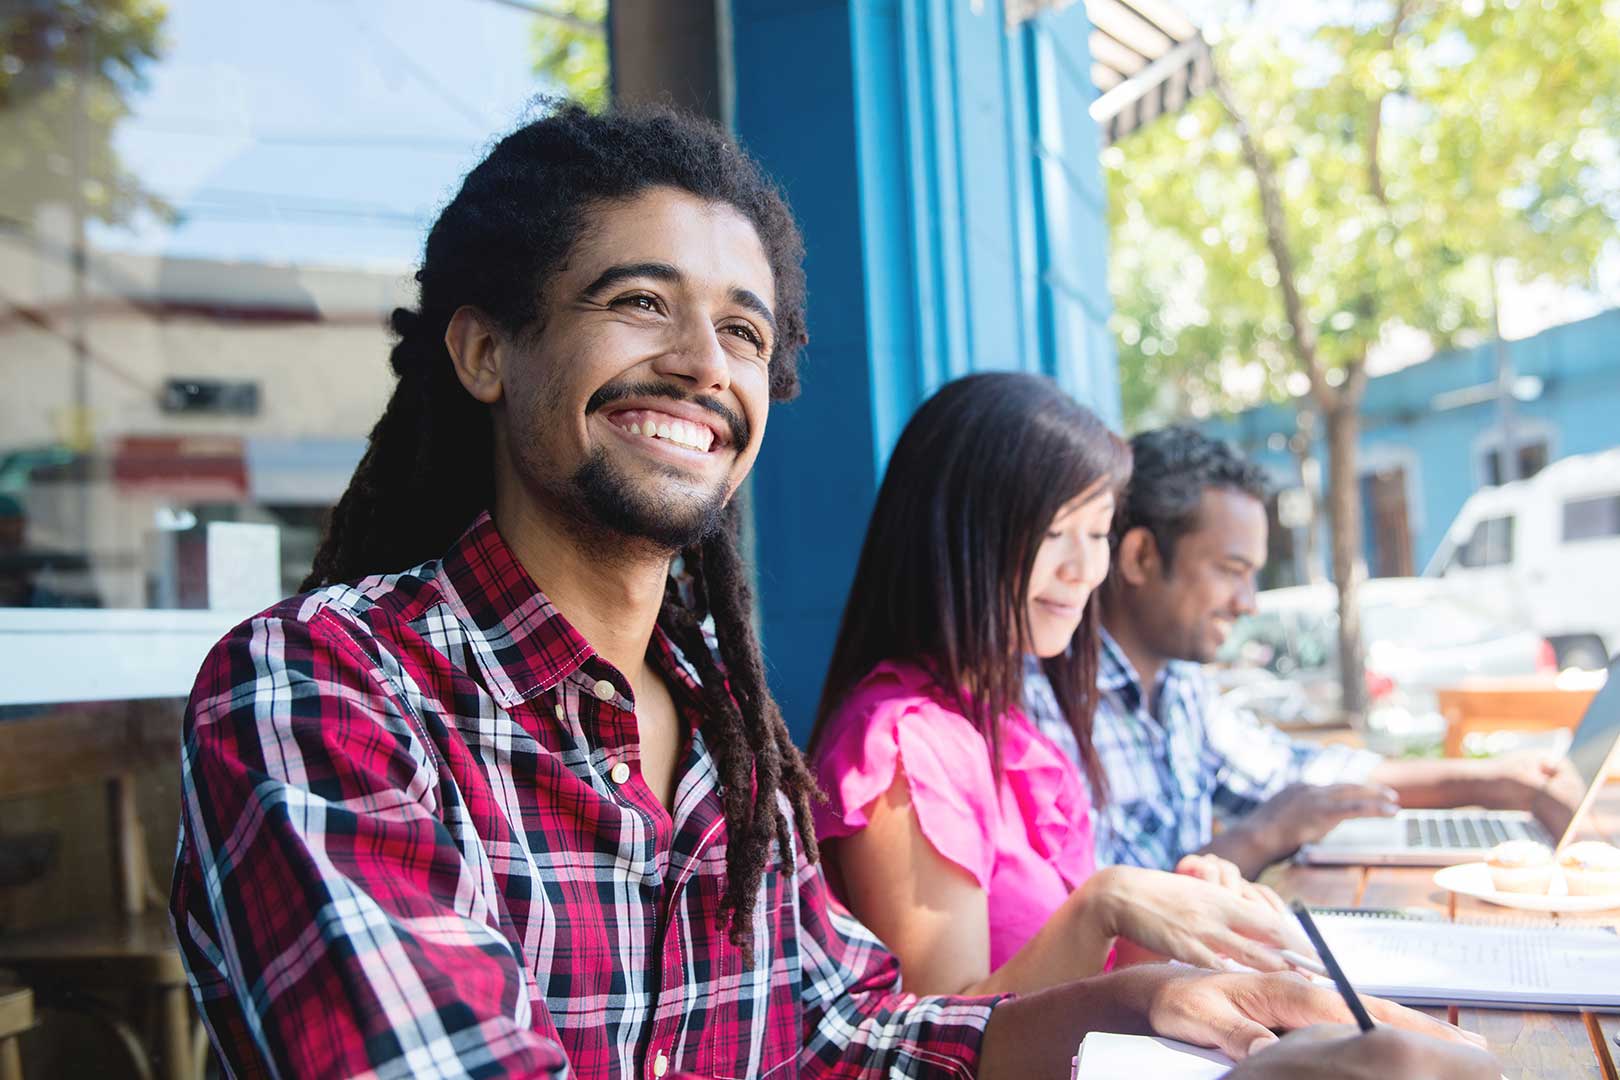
(1474, 879)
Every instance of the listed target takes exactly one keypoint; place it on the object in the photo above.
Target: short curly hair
(1173, 467)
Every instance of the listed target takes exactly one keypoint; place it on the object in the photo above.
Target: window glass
(1592, 518)
(1490, 544)
(1258, 640)
(207, 211)
(1316, 640)
(1433, 621)
(1532, 458)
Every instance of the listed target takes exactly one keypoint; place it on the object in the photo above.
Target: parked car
(1420, 635)
(1544, 553)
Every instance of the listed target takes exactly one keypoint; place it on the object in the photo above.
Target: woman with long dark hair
(955, 830)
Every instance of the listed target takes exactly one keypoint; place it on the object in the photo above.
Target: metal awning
(1146, 60)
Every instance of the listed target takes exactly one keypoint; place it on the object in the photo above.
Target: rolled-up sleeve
(1252, 761)
(858, 1021)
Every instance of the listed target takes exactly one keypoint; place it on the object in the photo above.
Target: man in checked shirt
(1189, 538)
(506, 794)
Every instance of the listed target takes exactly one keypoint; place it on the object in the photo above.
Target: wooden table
(1516, 703)
(1528, 1044)
(120, 967)
(16, 1017)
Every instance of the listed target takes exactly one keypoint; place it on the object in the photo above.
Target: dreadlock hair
(496, 247)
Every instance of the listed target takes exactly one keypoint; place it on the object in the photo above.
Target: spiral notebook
(1497, 964)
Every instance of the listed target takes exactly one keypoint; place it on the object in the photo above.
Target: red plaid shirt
(408, 849)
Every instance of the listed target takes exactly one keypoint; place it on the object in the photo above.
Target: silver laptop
(1445, 837)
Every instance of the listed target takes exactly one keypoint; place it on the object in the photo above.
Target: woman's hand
(1188, 917)
(1218, 871)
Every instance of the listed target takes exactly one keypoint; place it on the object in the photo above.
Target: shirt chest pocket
(751, 1012)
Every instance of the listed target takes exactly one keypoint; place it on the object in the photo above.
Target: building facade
(1433, 433)
(942, 162)
(229, 349)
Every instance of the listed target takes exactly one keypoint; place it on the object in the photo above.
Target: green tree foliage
(67, 71)
(571, 50)
(1407, 157)
(1345, 185)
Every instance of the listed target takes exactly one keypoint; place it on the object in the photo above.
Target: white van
(1545, 553)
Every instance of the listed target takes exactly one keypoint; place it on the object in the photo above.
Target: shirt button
(603, 689)
(660, 1064)
(619, 774)
(559, 711)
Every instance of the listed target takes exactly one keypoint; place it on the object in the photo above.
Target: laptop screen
(1582, 767)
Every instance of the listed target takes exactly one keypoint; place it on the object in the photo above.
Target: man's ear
(474, 350)
(1137, 559)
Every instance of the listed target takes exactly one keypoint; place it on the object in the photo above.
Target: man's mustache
(607, 395)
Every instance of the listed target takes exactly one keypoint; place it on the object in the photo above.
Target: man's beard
(670, 522)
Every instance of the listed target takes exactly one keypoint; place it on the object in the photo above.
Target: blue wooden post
(944, 169)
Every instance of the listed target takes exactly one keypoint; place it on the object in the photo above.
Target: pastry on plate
(1521, 866)
(1591, 868)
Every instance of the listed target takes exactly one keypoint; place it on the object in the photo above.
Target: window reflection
(207, 210)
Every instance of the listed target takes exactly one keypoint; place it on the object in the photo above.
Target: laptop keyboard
(1461, 831)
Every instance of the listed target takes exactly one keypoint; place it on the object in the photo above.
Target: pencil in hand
(1352, 1000)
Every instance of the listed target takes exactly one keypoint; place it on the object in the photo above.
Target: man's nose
(1245, 600)
(696, 358)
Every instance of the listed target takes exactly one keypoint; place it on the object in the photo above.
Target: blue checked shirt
(1171, 770)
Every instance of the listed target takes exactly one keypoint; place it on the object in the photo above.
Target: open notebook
(1428, 963)
(1105, 1056)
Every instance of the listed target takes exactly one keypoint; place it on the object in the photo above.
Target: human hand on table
(1034, 1034)
(1191, 918)
(1337, 1052)
(1300, 814)
(1514, 781)
(1226, 875)
(1239, 1013)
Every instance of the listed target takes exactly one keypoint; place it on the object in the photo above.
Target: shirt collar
(1116, 674)
(1114, 670)
(521, 643)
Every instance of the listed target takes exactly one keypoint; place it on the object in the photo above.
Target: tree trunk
(1303, 445)
(1349, 567)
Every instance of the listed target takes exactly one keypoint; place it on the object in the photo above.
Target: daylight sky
(331, 131)
(319, 131)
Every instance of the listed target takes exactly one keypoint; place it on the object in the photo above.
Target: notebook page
(1545, 965)
(1106, 1056)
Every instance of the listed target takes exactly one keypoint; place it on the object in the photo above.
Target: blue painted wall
(1579, 409)
(944, 170)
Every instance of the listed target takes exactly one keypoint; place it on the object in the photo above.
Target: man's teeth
(691, 436)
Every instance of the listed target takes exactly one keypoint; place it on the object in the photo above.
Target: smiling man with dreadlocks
(506, 793)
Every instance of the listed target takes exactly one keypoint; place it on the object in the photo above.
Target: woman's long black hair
(429, 469)
(943, 579)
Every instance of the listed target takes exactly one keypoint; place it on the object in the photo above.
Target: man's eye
(747, 333)
(639, 301)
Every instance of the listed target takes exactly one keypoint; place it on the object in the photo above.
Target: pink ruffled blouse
(1027, 842)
